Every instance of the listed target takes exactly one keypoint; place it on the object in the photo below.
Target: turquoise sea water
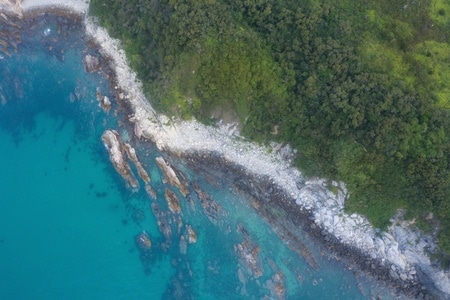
(68, 222)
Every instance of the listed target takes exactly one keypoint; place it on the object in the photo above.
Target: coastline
(268, 200)
(401, 252)
(398, 253)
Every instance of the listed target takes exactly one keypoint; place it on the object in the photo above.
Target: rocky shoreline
(386, 259)
(268, 198)
(396, 257)
(407, 270)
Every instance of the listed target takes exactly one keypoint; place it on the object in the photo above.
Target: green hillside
(361, 89)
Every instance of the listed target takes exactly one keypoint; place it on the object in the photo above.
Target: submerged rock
(248, 253)
(143, 241)
(276, 286)
(4, 43)
(210, 207)
(2, 97)
(5, 51)
(172, 201)
(298, 246)
(243, 280)
(150, 191)
(183, 245)
(163, 222)
(192, 236)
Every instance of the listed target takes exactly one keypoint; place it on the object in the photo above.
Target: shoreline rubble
(401, 249)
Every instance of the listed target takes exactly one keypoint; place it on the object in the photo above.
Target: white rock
(395, 257)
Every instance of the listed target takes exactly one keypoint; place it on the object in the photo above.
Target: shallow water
(68, 222)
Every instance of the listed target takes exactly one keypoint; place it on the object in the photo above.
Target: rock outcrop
(171, 176)
(120, 154)
(131, 153)
(114, 145)
(143, 241)
(91, 63)
(104, 102)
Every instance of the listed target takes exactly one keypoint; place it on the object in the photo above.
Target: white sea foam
(401, 247)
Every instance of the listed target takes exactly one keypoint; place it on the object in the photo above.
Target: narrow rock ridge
(114, 145)
(131, 153)
(120, 154)
(170, 176)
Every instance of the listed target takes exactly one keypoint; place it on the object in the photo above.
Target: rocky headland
(399, 255)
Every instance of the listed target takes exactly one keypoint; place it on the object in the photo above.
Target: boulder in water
(192, 236)
(104, 102)
(143, 241)
(91, 63)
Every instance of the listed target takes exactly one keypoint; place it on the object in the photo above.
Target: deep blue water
(68, 222)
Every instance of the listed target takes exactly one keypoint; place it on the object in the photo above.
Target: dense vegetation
(361, 89)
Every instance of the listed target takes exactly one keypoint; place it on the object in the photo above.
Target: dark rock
(172, 201)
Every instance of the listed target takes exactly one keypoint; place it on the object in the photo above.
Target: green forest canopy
(361, 90)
